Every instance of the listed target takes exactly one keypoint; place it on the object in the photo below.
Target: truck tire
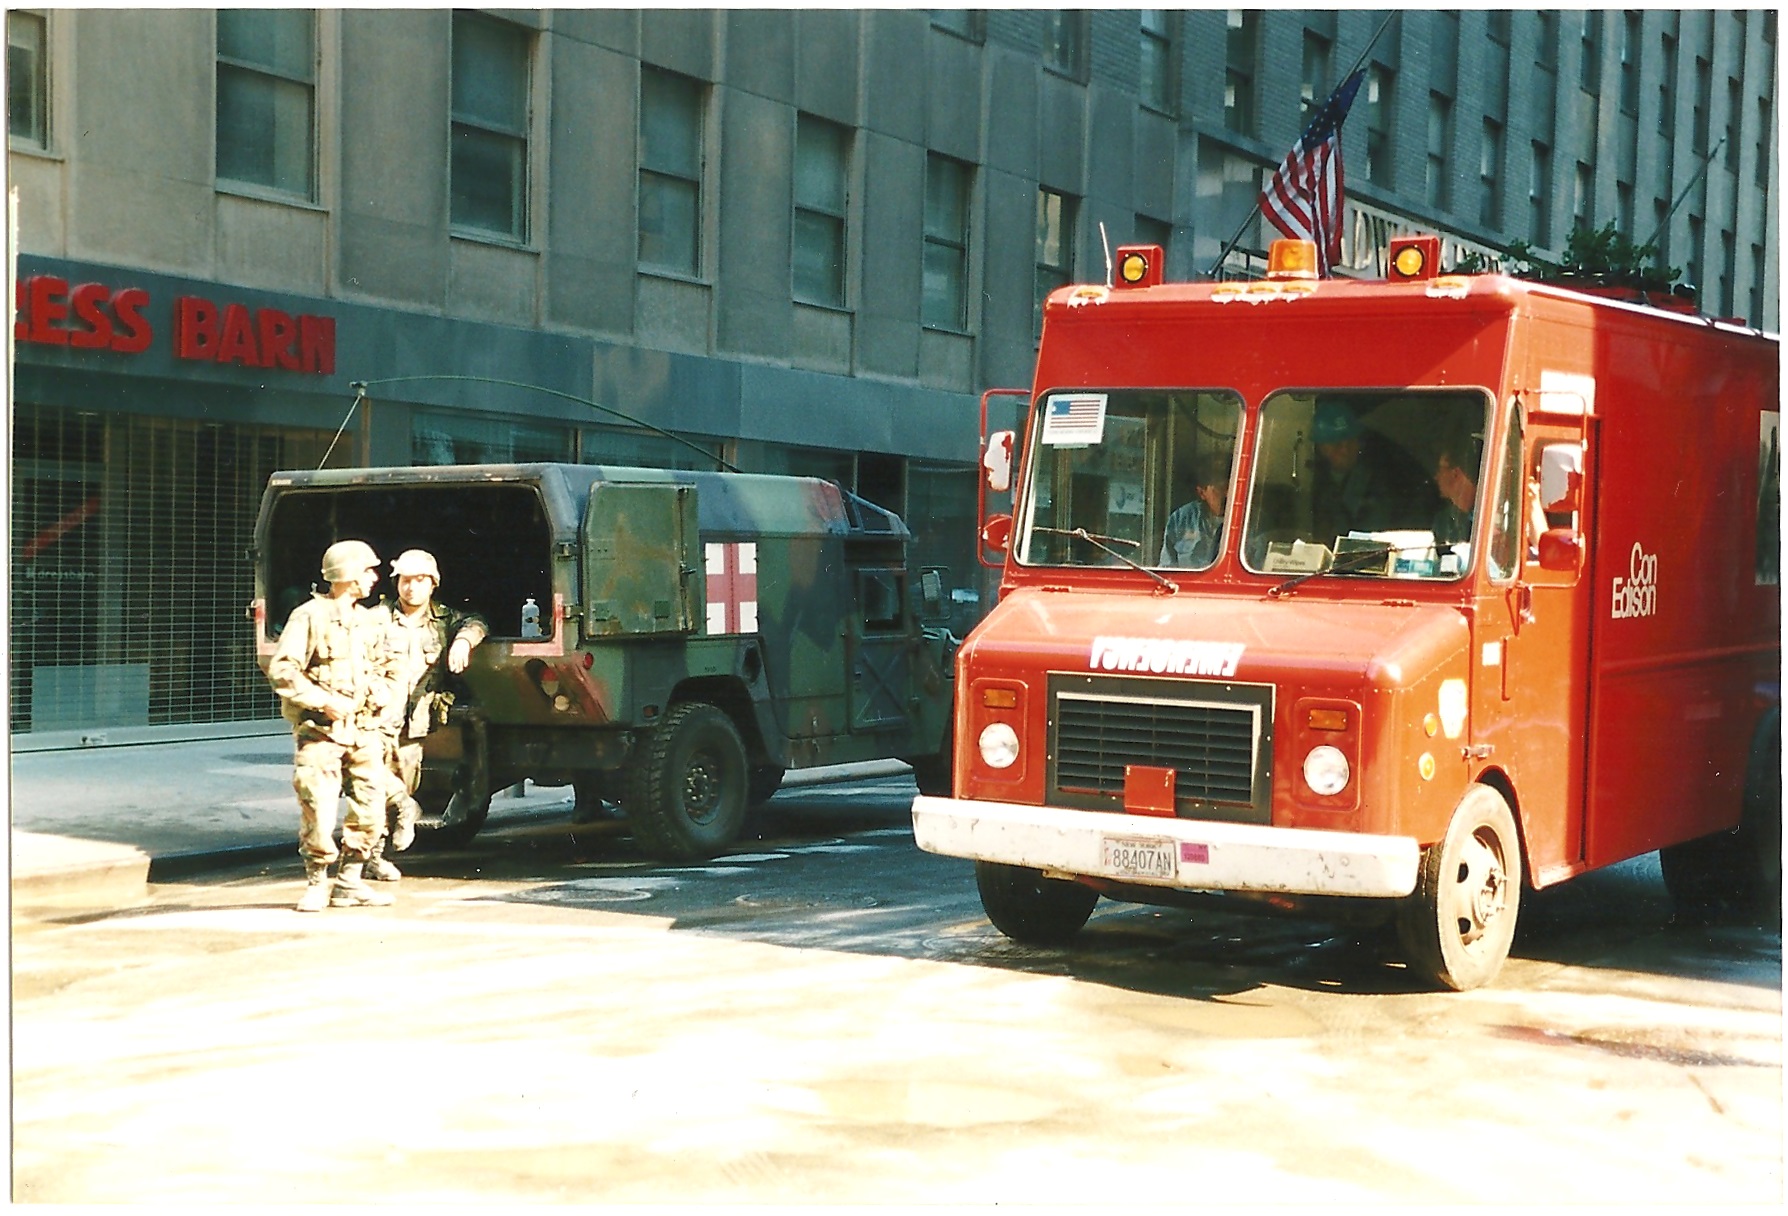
(1029, 908)
(1459, 923)
(1737, 873)
(685, 789)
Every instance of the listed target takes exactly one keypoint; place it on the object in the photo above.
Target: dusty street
(825, 1016)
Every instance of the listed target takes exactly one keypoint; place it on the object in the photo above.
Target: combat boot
(403, 832)
(378, 869)
(316, 887)
(351, 890)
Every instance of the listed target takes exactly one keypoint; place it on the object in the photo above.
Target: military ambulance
(671, 641)
(1391, 598)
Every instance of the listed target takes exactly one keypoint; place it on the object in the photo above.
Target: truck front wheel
(686, 787)
(1458, 925)
(1029, 908)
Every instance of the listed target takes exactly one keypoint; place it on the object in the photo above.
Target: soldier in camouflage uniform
(332, 674)
(421, 636)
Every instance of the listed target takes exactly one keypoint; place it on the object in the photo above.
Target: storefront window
(474, 439)
(128, 577)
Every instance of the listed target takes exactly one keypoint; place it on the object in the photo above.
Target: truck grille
(1216, 736)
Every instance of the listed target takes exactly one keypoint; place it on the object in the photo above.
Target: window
(1539, 196)
(944, 300)
(1546, 48)
(490, 126)
(1667, 89)
(1760, 161)
(1422, 452)
(1703, 103)
(1440, 139)
(1240, 46)
(1489, 170)
(1498, 20)
(1660, 210)
(670, 171)
(1629, 64)
(1734, 106)
(822, 161)
(1623, 208)
(1590, 74)
(1151, 231)
(1055, 247)
(442, 438)
(1314, 89)
(1157, 47)
(266, 99)
(1697, 253)
(1064, 42)
(1583, 197)
(27, 79)
(1728, 251)
(969, 23)
(1380, 105)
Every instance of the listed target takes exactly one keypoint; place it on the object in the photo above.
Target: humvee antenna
(361, 385)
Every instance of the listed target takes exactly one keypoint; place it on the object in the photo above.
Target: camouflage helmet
(347, 558)
(416, 561)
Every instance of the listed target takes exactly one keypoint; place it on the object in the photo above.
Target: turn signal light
(1289, 259)
(1328, 719)
(999, 698)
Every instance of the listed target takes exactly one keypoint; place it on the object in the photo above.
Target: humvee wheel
(1030, 908)
(1459, 923)
(686, 787)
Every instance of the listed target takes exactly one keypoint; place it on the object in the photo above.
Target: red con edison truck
(1412, 593)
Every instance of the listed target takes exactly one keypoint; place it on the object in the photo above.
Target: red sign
(93, 316)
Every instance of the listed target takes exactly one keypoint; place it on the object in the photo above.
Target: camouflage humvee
(671, 641)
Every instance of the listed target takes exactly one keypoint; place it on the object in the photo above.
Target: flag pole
(1255, 209)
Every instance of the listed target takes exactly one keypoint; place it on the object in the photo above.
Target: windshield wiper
(1098, 542)
(1347, 562)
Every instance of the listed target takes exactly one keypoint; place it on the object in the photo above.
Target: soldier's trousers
(403, 766)
(319, 765)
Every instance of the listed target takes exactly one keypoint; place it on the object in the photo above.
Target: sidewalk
(92, 826)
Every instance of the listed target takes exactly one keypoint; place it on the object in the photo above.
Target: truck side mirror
(996, 460)
(1560, 549)
(996, 533)
(933, 603)
(1561, 478)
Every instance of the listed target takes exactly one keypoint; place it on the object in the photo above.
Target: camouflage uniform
(331, 652)
(416, 646)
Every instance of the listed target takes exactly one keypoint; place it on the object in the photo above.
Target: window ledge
(820, 306)
(949, 330)
(674, 276)
(26, 148)
(264, 194)
(477, 236)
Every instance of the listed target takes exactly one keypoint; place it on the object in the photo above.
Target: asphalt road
(824, 1015)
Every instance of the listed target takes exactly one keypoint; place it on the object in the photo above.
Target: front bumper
(1210, 856)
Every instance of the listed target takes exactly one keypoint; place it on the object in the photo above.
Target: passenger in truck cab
(1361, 484)
(1455, 477)
(1194, 528)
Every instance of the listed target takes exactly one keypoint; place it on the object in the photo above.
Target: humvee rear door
(640, 570)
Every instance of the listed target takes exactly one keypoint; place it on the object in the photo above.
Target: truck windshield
(1130, 477)
(1369, 484)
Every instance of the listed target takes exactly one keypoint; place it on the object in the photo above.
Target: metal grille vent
(1211, 747)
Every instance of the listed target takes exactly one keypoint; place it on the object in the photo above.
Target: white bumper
(1209, 856)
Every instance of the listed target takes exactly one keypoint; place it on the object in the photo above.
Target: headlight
(1325, 770)
(999, 746)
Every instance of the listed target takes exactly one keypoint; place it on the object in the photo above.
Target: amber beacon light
(1139, 265)
(1414, 257)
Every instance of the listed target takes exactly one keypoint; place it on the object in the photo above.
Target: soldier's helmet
(347, 558)
(416, 561)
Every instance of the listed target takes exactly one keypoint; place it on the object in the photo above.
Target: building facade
(799, 240)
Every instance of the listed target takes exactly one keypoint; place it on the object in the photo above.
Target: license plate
(1138, 857)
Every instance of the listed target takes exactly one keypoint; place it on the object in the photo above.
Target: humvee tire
(431, 833)
(685, 789)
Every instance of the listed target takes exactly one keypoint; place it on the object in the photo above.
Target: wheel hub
(1484, 885)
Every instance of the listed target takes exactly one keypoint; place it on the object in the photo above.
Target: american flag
(1303, 199)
